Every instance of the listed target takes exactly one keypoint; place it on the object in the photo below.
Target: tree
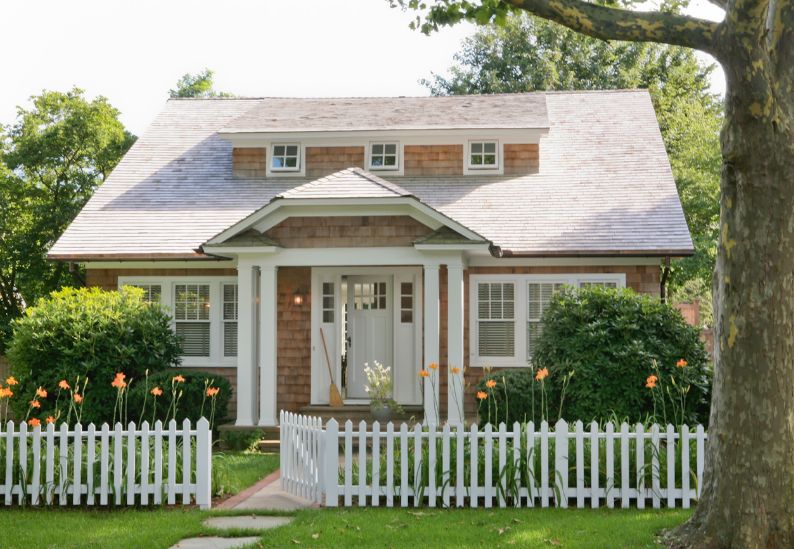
(51, 160)
(197, 85)
(748, 490)
(528, 53)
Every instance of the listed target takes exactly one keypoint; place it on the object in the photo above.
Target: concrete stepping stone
(214, 543)
(250, 522)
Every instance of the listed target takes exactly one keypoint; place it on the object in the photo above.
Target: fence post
(331, 463)
(203, 464)
(561, 461)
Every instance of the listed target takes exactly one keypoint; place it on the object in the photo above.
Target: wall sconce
(298, 297)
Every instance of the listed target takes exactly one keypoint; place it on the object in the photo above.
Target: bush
(511, 399)
(91, 334)
(190, 403)
(611, 339)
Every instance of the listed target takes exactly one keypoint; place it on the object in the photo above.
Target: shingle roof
(290, 114)
(604, 187)
(349, 183)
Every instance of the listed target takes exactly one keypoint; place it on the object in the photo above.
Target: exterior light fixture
(298, 297)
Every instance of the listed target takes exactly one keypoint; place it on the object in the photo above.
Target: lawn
(233, 472)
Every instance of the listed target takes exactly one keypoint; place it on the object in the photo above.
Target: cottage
(410, 230)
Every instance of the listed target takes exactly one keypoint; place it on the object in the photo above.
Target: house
(408, 230)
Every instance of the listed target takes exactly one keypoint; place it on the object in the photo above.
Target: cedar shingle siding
(521, 159)
(322, 161)
(249, 163)
(430, 160)
(347, 232)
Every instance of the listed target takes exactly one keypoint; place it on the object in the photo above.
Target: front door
(369, 329)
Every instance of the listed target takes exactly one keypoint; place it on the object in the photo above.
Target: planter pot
(381, 411)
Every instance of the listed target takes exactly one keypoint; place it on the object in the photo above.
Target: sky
(134, 51)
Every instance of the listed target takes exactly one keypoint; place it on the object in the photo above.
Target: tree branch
(608, 23)
(723, 4)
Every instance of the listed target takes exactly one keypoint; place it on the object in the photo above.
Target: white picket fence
(118, 466)
(619, 466)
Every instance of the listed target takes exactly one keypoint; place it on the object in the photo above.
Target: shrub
(614, 340)
(511, 399)
(91, 334)
(189, 404)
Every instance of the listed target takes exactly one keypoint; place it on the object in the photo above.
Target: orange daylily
(433, 366)
(455, 370)
(212, 391)
(119, 382)
(482, 395)
(50, 419)
(64, 385)
(12, 381)
(34, 422)
(681, 363)
(41, 392)
(6, 392)
(491, 383)
(78, 398)
(179, 379)
(650, 382)
(542, 374)
(157, 391)
(35, 404)
(424, 373)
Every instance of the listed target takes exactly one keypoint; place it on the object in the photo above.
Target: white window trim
(521, 313)
(216, 358)
(469, 169)
(395, 170)
(297, 171)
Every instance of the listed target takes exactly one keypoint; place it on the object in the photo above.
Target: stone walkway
(264, 495)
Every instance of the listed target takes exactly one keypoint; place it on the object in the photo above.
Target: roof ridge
(388, 185)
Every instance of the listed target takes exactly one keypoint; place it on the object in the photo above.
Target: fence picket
(655, 484)
(348, 463)
(63, 455)
(431, 466)
(700, 456)
(488, 481)
(23, 463)
(595, 495)
(144, 463)
(670, 466)
(186, 461)
(331, 474)
(117, 462)
(445, 473)
(579, 465)
(531, 471)
(418, 465)
(474, 451)
(89, 463)
(544, 464)
(640, 447)
(375, 464)
(390, 464)
(404, 465)
(502, 480)
(131, 470)
(624, 465)
(460, 443)
(9, 445)
(684, 441)
(610, 465)
(35, 487)
(172, 462)
(49, 467)
(362, 463)
(517, 463)
(104, 454)
(561, 462)
(158, 462)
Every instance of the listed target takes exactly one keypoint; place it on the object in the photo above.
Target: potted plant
(379, 388)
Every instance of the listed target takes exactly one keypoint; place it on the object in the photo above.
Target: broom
(334, 397)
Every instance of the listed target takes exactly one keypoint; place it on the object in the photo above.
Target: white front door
(369, 329)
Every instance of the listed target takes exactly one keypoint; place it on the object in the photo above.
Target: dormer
(482, 135)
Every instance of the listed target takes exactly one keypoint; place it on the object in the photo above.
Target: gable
(347, 231)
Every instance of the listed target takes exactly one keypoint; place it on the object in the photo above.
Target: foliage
(199, 85)
(379, 382)
(527, 53)
(514, 395)
(87, 334)
(240, 440)
(51, 160)
(614, 339)
(190, 396)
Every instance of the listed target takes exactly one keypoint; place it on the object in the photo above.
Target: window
(369, 295)
(406, 302)
(383, 156)
(229, 319)
(192, 318)
(495, 319)
(506, 313)
(328, 302)
(539, 295)
(285, 158)
(483, 155)
(152, 293)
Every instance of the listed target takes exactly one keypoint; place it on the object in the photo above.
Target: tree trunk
(748, 493)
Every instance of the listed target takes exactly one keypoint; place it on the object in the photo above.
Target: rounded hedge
(91, 334)
(189, 404)
(613, 340)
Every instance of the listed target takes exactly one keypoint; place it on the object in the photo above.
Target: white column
(246, 343)
(431, 327)
(455, 343)
(268, 344)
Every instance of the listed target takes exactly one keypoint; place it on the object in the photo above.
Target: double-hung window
(507, 312)
(203, 312)
(285, 158)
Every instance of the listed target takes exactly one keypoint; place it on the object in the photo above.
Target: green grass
(474, 528)
(233, 472)
(322, 528)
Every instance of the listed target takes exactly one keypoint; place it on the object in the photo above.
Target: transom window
(369, 295)
(507, 313)
(285, 158)
(230, 320)
(329, 313)
(406, 302)
(383, 156)
(483, 155)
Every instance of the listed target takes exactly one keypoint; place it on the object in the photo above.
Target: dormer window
(483, 155)
(383, 156)
(285, 158)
